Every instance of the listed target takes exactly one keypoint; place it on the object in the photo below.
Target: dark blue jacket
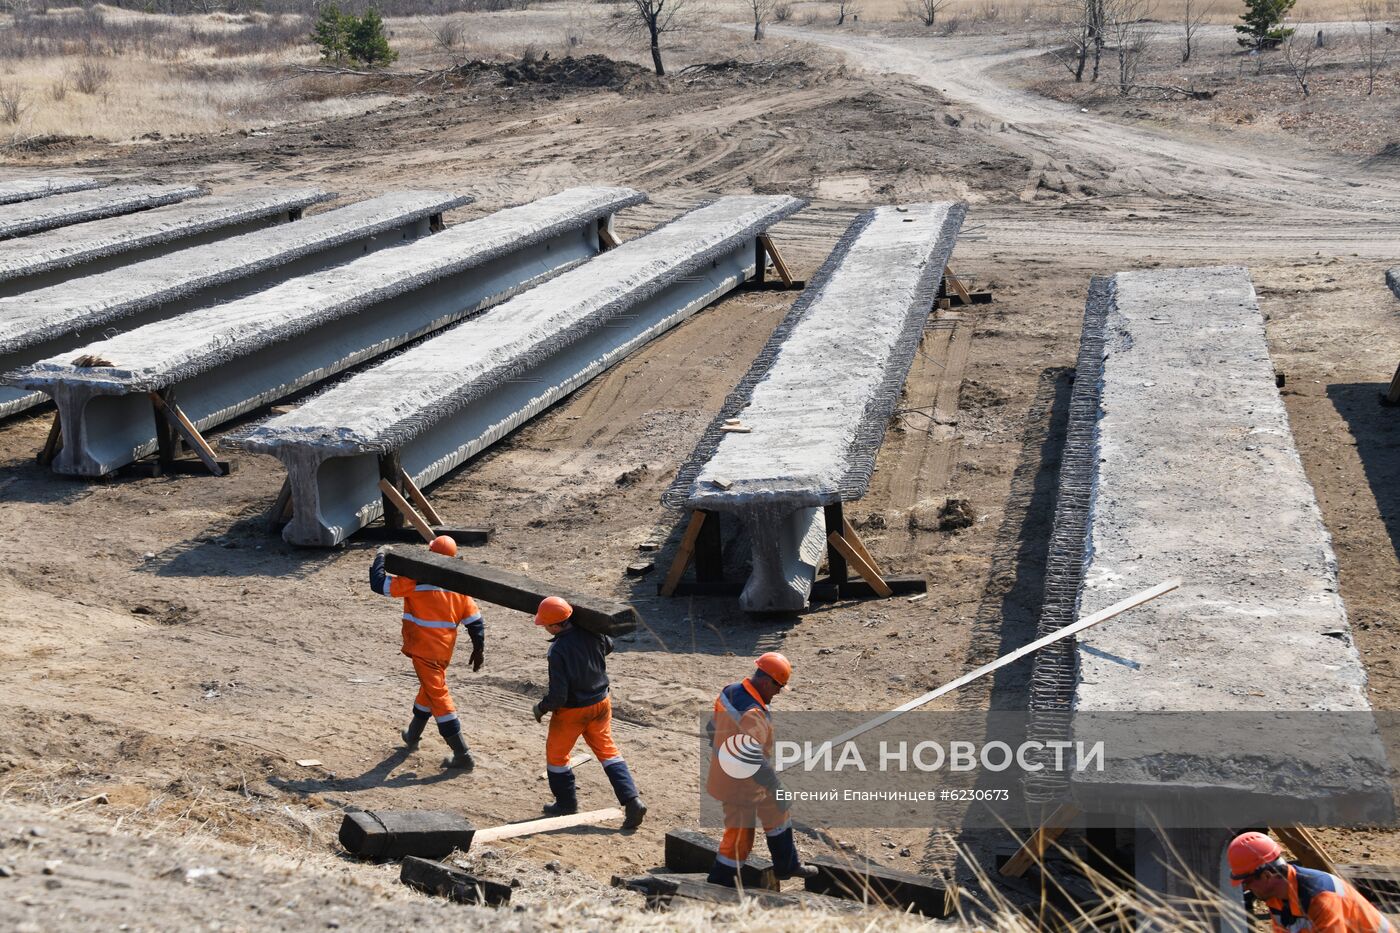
(578, 671)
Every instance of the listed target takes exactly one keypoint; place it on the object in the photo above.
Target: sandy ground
(162, 649)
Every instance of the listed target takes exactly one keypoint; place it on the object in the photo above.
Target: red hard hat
(1250, 852)
(444, 545)
(775, 666)
(552, 611)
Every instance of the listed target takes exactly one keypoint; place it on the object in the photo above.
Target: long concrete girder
(226, 359)
(818, 399)
(1180, 463)
(459, 392)
(14, 190)
(44, 259)
(49, 321)
(75, 207)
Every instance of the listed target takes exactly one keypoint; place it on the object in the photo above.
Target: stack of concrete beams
(1179, 462)
(42, 323)
(14, 190)
(44, 259)
(61, 210)
(226, 359)
(818, 399)
(452, 396)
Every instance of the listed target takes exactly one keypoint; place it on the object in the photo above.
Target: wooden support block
(689, 851)
(281, 511)
(682, 558)
(153, 468)
(760, 263)
(779, 266)
(391, 834)
(827, 591)
(1305, 848)
(451, 882)
(186, 429)
(859, 879)
(503, 588)
(1034, 848)
(396, 499)
(549, 825)
(410, 535)
(662, 890)
(836, 568)
(607, 239)
(866, 570)
(717, 588)
(390, 469)
(53, 443)
(709, 551)
(420, 500)
(1393, 396)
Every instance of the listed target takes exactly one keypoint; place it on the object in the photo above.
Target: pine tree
(366, 42)
(1262, 23)
(331, 32)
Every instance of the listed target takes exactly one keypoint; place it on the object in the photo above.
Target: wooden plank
(419, 499)
(848, 532)
(390, 469)
(453, 883)
(779, 265)
(511, 590)
(867, 572)
(689, 851)
(860, 879)
(390, 834)
(606, 237)
(678, 563)
(1034, 848)
(396, 499)
(1305, 847)
(548, 825)
(54, 443)
(187, 430)
(958, 288)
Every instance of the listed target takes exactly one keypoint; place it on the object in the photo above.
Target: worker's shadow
(376, 776)
(1376, 430)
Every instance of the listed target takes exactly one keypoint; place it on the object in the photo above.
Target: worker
(1299, 898)
(579, 705)
(741, 710)
(430, 619)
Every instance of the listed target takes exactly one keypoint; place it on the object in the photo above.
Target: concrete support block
(14, 190)
(42, 323)
(226, 359)
(62, 210)
(44, 259)
(453, 396)
(816, 403)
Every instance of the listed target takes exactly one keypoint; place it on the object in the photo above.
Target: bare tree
(761, 10)
(845, 8)
(1193, 16)
(1082, 25)
(1301, 53)
(652, 19)
(1126, 26)
(1375, 40)
(925, 11)
(12, 105)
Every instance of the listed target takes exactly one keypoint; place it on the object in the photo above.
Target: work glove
(477, 657)
(539, 711)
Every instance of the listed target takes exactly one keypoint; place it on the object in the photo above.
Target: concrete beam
(40, 324)
(819, 396)
(14, 190)
(1180, 463)
(1392, 278)
(44, 259)
(454, 395)
(62, 210)
(226, 359)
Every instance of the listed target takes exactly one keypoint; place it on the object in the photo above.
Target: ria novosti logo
(740, 756)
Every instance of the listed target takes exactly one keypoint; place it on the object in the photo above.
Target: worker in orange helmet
(430, 619)
(1299, 898)
(742, 778)
(579, 705)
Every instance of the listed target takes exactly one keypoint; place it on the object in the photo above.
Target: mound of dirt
(590, 71)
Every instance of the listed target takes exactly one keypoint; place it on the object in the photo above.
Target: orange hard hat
(776, 666)
(552, 611)
(1250, 852)
(445, 545)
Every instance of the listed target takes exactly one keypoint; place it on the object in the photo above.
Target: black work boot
(414, 732)
(636, 811)
(562, 785)
(461, 757)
